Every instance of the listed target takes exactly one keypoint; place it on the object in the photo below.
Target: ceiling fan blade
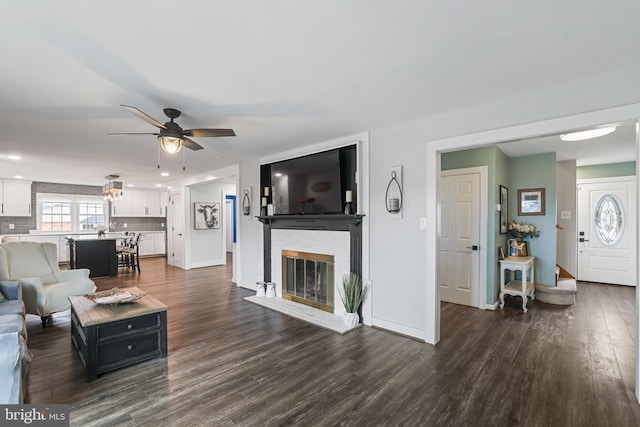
(203, 133)
(191, 144)
(147, 118)
(132, 133)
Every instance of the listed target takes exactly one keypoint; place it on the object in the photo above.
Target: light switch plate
(565, 214)
(423, 223)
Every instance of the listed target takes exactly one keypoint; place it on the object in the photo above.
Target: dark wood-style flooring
(232, 363)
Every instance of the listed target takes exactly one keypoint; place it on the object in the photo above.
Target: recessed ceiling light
(165, 174)
(278, 174)
(18, 177)
(158, 185)
(129, 185)
(211, 178)
(587, 134)
(14, 157)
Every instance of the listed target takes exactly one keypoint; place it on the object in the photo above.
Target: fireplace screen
(307, 278)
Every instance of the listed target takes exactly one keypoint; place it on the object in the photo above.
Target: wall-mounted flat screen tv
(313, 184)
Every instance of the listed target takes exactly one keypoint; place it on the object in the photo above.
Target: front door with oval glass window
(606, 231)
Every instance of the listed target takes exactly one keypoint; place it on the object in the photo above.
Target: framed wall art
(504, 209)
(206, 215)
(531, 201)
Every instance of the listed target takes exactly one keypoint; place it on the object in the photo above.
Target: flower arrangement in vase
(101, 230)
(520, 231)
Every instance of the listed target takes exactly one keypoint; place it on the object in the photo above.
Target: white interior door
(607, 231)
(459, 260)
(175, 233)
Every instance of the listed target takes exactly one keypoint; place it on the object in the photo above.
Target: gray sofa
(14, 355)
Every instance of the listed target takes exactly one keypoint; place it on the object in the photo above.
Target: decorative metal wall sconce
(246, 201)
(393, 199)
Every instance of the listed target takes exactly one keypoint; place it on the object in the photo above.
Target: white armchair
(45, 288)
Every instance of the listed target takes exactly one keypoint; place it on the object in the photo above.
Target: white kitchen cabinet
(152, 204)
(139, 203)
(152, 243)
(147, 244)
(15, 198)
(122, 207)
(160, 246)
(164, 201)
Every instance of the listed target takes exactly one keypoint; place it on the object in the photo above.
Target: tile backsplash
(137, 224)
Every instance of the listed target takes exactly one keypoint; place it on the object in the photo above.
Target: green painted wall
(607, 170)
(537, 171)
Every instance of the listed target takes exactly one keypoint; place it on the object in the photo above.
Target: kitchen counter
(152, 242)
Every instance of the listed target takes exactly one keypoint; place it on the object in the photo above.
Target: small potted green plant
(352, 293)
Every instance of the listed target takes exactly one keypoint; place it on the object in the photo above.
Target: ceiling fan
(170, 135)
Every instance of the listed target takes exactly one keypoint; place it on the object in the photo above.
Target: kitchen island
(98, 254)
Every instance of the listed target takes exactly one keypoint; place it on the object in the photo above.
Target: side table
(523, 287)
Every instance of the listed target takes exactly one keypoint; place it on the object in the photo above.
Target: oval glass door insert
(609, 219)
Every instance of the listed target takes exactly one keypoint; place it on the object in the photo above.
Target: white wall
(402, 257)
(207, 247)
(397, 244)
(249, 228)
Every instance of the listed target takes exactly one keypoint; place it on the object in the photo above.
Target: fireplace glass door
(308, 279)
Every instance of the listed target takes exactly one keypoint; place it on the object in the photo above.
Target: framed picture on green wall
(504, 209)
(531, 201)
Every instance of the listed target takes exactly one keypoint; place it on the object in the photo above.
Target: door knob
(473, 248)
(582, 239)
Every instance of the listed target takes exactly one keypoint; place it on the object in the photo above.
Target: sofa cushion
(12, 307)
(13, 323)
(11, 289)
(14, 366)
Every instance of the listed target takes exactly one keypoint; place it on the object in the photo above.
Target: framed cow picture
(206, 215)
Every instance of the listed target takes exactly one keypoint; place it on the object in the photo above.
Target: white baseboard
(399, 328)
(251, 287)
(210, 263)
(493, 306)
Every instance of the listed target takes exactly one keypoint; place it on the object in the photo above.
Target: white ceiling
(619, 146)
(280, 73)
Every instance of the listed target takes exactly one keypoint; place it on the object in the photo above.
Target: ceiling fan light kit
(170, 135)
(170, 144)
(587, 134)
